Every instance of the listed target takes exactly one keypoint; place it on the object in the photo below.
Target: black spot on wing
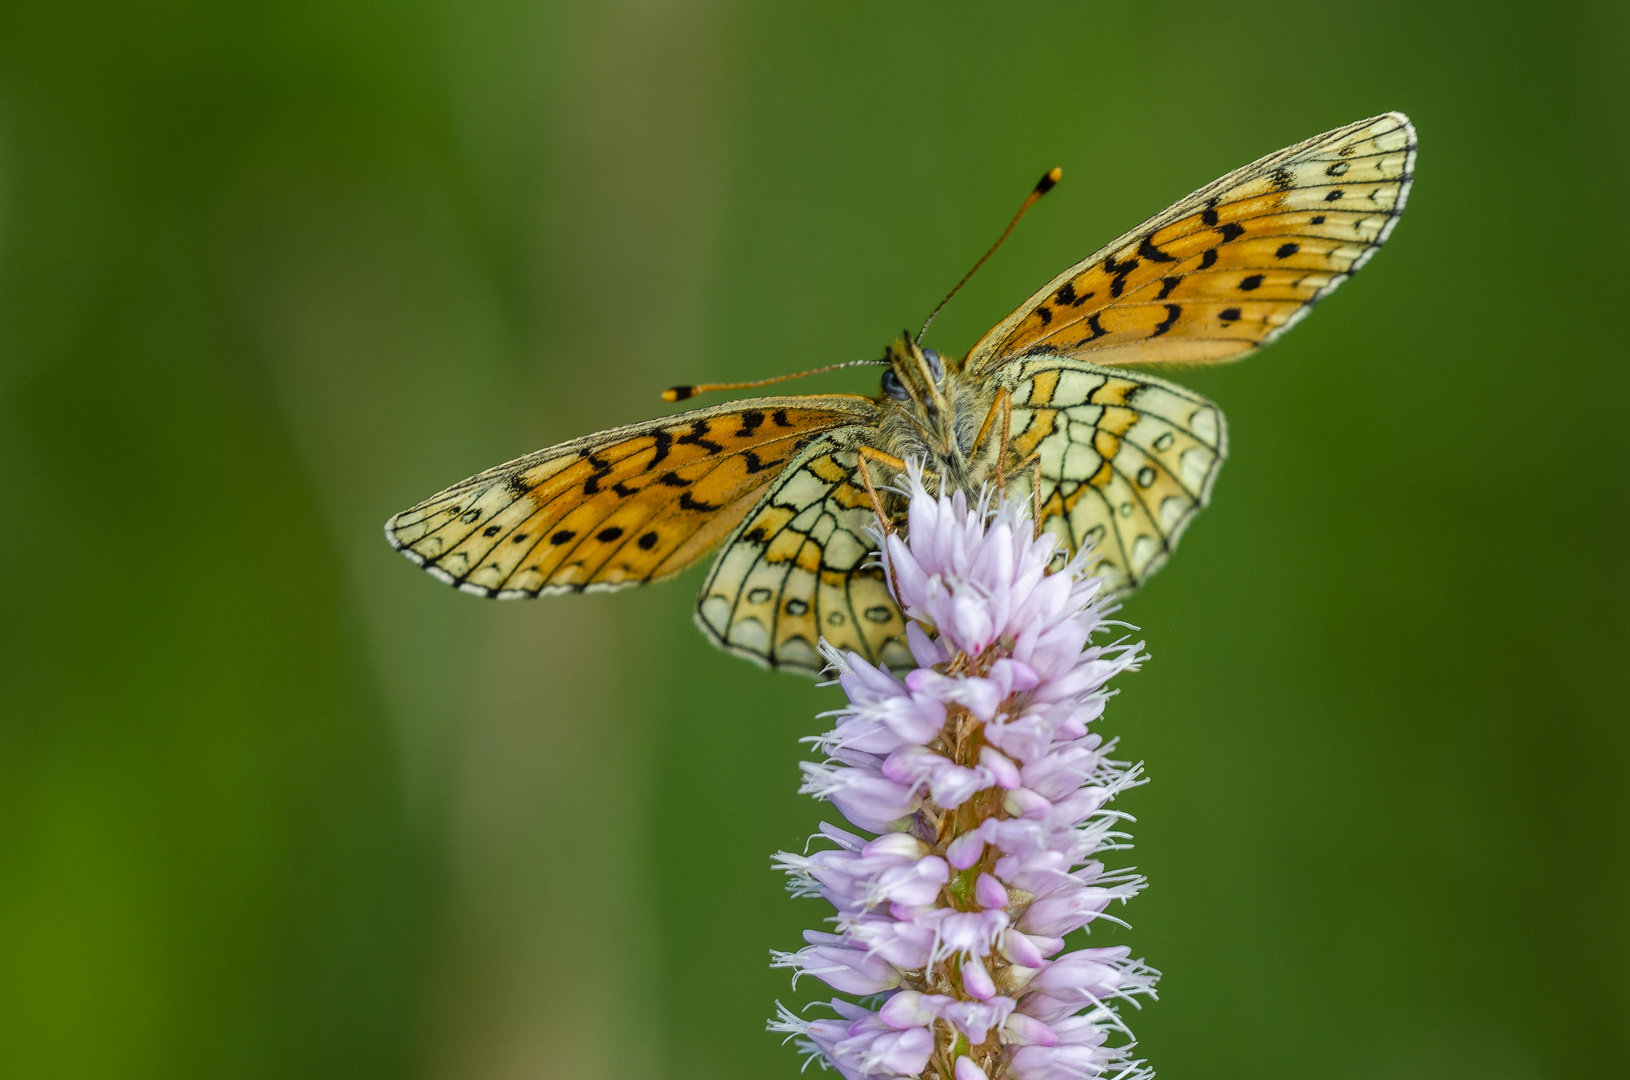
(1282, 179)
(562, 537)
(1147, 249)
(688, 503)
(754, 464)
(1067, 296)
(1119, 270)
(672, 479)
(648, 541)
(1229, 314)
(1097, 330)
(1332, 196)
(1208, 259)
(1045, 314)
(1172, 312)
(1209, 215)
(751, 421)
(602, 469)
(1167, 284)
(1252, 282)
(697, 436)
(1287, 250)
(663, 440)
(607, 535)
(1231, 230)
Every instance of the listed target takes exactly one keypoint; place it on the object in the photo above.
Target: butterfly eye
(934, 364)
(893, 387)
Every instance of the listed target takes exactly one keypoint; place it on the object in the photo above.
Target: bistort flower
(986, 796)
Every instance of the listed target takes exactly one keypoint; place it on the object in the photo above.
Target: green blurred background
(275, 804)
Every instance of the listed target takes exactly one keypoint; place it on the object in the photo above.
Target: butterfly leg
(1006, 401)
(990, 418)
(866, 478)
(881, 458)
(877, 504)
(1035, 491)
(871, 489)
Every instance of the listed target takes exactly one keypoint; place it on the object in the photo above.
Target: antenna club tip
(678, 393)
(1045, 184)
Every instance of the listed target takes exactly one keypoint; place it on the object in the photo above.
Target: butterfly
(1051, 402)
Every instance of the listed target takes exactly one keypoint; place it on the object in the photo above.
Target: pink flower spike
(986, 793)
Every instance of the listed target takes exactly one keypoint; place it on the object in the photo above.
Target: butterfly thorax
(931, 412)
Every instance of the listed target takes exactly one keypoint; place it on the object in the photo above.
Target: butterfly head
(916, 376)
(926, 412)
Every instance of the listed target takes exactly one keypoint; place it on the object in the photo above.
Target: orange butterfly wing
(622, 507)
(1231, 267)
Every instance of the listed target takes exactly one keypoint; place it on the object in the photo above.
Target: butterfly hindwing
(1231, 267)
(802, 566)
(1127, 459)
(619, 508)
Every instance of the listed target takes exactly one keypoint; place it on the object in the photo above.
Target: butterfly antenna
(1043, 186)
(680, 393)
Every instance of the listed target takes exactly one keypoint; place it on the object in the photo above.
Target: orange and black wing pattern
(1231, 267)
(623, 507)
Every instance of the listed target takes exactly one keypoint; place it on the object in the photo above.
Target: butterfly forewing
(635, 504)
(1229, 268)
(802, 566)
(1127, 459)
